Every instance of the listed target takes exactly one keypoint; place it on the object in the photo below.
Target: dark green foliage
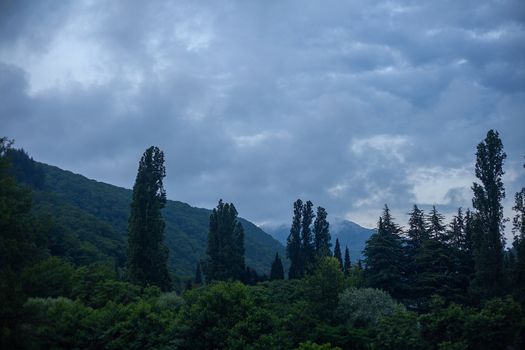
(277, 271)
(147, 254)
(294, 245)
(307, 240)
(322, 233)
(25, 169)
(384, 257)
(225, 252)
(518, 228)
(436, 227)
(488, 255)
(337, 253)
(198, 274)
(400, 330)
(417, 228)
(347, 265)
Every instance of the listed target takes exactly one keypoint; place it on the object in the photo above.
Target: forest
(74, 282)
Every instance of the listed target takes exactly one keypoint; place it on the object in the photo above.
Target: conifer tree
(346, 266)
(456, 231)
(337, 253)
(436, 227)
(417, 228)
(293, 245)
(225, 252)
(277, 271)
(147, 254)
(384, 257)
(198, 274)
(307, 239)
(322, 234)
(488, 254)
(518, 228)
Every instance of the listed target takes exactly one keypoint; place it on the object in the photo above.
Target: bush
(364, 307)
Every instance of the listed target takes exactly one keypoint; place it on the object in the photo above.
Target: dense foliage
(419, 288)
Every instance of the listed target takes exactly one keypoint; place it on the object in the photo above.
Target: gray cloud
(349, 104)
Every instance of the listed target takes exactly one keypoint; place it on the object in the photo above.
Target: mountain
(87, 220)
(349, 233)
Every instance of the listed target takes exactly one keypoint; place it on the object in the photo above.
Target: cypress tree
(384, 257)
(337, 253)
(488, 255)
(322, 234)
(277, 271)
(347, 262)
(147, 254)
(198, 274)
(308, 249)
(225, 252)
(293, 245)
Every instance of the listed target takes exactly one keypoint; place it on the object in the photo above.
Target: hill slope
(96, 214)
(349, 233)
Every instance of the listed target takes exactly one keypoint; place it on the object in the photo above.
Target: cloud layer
(350, 104)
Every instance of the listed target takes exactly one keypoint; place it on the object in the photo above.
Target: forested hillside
(92, 217)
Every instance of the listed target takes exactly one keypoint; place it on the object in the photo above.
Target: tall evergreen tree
(293, 245)
(225, 252)
(518, 228)
(198, 274)
(456, 231)
(346, 267)
(277, 271)
(322, 234)
(337, 253)
(436, 227)
(384, 257)
(147, 254)
(308, 248)
(417, 227)
(488, 255)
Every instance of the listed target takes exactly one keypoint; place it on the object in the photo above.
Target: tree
(518, 229)
(346, 267)
(436, 228)
(322, 234)
(147, 254)
(277, 271)
(198, 274)
(308, 249)
(225, 252)
(488, 255)
(293, 245)
(384, 257)
(417, 228)
(337, 253)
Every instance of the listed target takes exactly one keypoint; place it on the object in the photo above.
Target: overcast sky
(351, 104)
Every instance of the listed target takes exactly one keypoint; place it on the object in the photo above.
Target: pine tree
(322, 234)
(417, 228)
(456, 231)
(308, 249)
(225, 252)
(337, 253)
(277, 271)
(346, 267)
(293, 246)
(147, 254)
(384, 257)
(436, 227)
(488, 254)
(198, 274)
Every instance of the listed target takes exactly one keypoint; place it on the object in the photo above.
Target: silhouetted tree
(337, 253)
(308, 248)
(346, 266)
(322, 234)
(293, 245)
(198, 274)
(488, 254)
(225, 253)
(147, 254)
(277, 271)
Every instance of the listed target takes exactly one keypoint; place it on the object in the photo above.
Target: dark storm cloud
(349, 104)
